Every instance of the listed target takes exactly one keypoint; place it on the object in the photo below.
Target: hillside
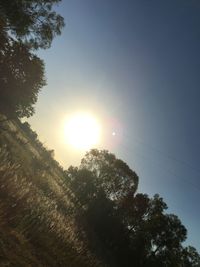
(37, 223)
(86, 216)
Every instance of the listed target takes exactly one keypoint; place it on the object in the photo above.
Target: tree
(112, 174)
(82, 183)
(126, 229)
(25, 25)
(33, 22)
(22, 77)
(190, 257)
(100, 221)
(156, 237)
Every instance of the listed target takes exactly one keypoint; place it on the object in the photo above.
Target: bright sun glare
(82, 131)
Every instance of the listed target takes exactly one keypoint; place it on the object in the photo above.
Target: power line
(164, 154)
(129, 148)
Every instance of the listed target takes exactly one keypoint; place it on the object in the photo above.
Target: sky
(134, 65)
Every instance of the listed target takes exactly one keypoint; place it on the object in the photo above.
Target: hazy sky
(136, 66)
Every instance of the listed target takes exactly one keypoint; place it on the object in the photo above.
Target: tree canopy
(34, 22)
(22, 77)
(124, 228)
(25, 25)
(111, 173)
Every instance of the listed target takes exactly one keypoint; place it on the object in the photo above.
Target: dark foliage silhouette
(24, 26)
(34, 22)
(125, 228)
(22, 77)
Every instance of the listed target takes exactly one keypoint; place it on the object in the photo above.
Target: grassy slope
(37, 225)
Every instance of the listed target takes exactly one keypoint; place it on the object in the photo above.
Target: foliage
(190, 257)
(82, 184)
(124, 228)
(24, 26)
(31, 21)
(110, 173)
(22, 77)
(27, 129)
(156, 237)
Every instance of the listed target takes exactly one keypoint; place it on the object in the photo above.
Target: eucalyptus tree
(126, 228)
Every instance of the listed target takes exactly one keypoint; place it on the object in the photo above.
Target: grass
(37, 222)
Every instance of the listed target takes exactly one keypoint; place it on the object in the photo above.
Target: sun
(82, 131)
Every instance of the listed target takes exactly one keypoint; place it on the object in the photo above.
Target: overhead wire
(165, 154)
(155, 162)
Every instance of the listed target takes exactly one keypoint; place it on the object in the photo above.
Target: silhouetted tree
(34, 22)
(190, 257)
(106, 233)
(82, 183)
(111, 174)
(125, 229)
(22, 77)
(156, 237)
(25, 25)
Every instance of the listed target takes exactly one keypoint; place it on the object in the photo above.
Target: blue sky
(136, 66)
